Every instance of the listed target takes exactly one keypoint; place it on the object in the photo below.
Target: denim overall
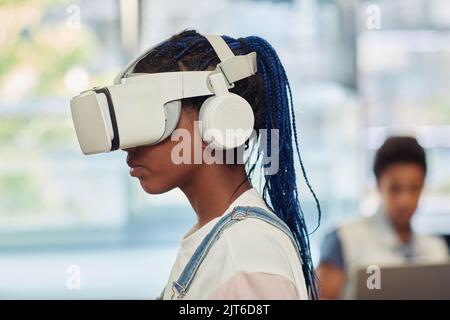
(182, 285)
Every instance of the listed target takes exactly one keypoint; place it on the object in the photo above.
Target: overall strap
(182, 285)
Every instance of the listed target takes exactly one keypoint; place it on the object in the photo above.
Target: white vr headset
(144, 108)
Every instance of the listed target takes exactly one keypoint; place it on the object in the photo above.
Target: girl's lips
(137, 171)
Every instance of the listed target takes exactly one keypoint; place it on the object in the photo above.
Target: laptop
(410, 281)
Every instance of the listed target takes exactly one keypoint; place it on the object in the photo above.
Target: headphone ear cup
(202, 118)
(226, 121)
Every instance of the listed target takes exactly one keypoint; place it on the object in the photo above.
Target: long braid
(282, 187)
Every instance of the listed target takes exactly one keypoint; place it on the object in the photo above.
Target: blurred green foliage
(50, 49)
(20, 194)
(36, 133)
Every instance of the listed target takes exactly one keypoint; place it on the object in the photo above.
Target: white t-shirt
(252, 259)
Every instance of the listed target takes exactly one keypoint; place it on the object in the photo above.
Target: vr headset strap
(234, 68)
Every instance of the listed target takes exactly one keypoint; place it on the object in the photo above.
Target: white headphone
(226, 119)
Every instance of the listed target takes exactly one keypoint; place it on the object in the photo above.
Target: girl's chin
(151, 187)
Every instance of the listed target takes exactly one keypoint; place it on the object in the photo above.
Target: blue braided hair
(270, 96)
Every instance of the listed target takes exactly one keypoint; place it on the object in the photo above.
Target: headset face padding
(226, 121)
(173, 112)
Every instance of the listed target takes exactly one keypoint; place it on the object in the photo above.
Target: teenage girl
(246, 244)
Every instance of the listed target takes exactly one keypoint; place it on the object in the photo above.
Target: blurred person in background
(385, 238)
